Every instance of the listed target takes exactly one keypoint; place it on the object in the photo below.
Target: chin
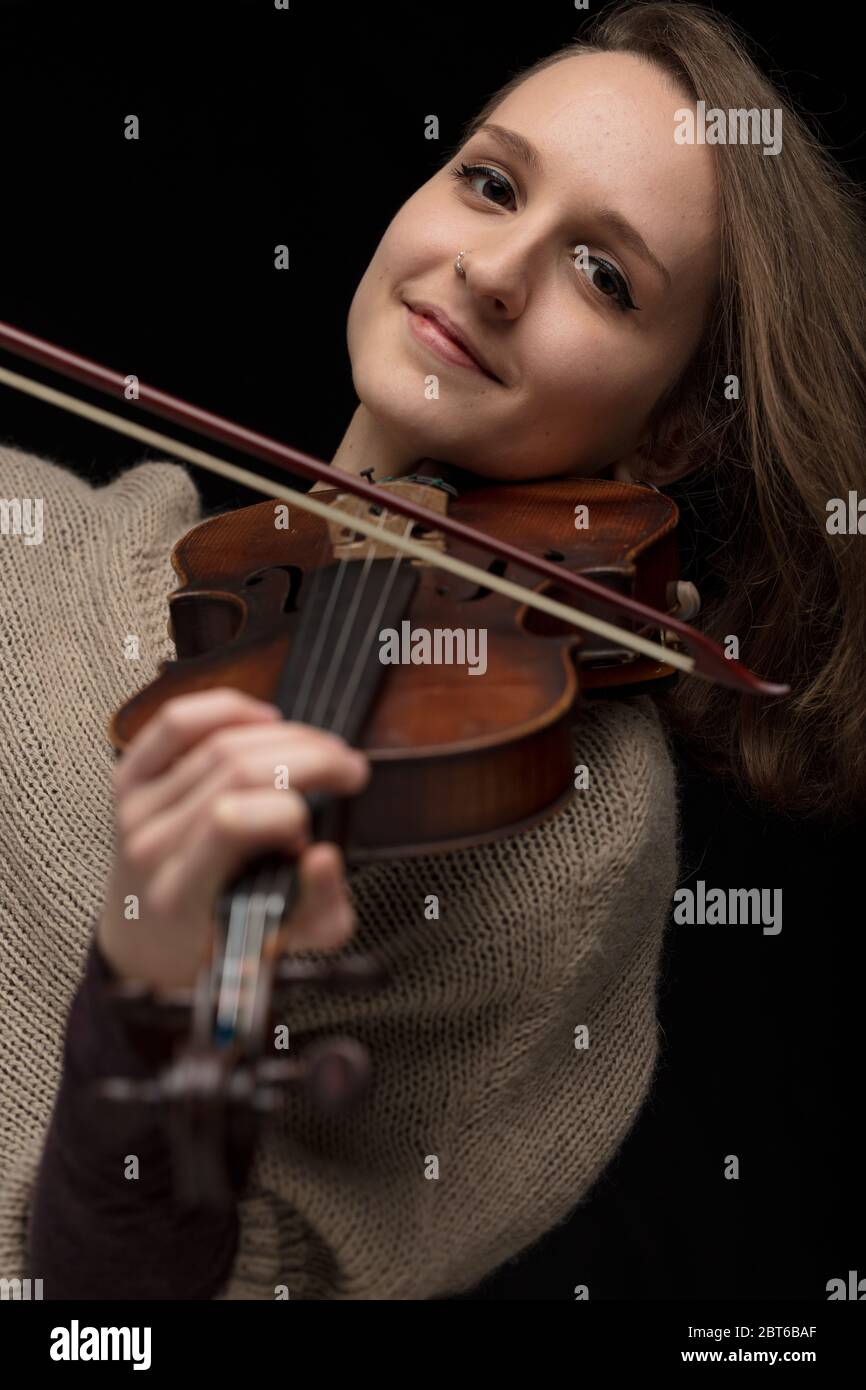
(396, 399)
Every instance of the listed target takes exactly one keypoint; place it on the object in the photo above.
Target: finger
(323, 919)
(179, 724)
(311, 765)
(237, 827)
(248, 756)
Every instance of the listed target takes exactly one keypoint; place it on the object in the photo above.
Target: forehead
(604, 125)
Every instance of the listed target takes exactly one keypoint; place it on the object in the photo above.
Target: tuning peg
(684, 601)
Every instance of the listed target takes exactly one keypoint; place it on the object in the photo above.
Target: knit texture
(485, 1125)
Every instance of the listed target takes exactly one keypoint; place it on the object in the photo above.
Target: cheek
(392, 263)
(583, 407)
(589, 371)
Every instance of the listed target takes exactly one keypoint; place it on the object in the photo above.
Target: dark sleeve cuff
(104, 1223)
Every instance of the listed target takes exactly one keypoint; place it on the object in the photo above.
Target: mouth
(434, 330)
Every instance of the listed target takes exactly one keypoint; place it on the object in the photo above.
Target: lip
(432, 327)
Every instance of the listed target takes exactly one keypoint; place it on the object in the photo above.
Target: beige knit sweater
(473, 1041)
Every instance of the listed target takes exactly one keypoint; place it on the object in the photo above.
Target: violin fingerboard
(331, 677)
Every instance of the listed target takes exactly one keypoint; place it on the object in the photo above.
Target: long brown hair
(789, 322)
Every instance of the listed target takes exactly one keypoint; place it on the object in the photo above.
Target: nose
(497, 272)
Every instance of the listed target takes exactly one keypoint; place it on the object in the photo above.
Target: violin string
(265, 907)
(275, 911)
(238, 982)
(317, 714)
(232, 963)
(236, 971)
(365, 644)
(300, 706)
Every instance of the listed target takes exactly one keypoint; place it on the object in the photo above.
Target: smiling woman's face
(578, 373)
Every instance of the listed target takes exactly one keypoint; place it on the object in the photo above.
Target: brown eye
(490, 180)
(609, 282)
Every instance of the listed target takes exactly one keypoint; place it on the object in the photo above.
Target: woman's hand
(195, 798)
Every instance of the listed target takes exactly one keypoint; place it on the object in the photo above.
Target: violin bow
(703, 657)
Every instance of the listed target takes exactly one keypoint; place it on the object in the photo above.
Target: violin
(331, 608)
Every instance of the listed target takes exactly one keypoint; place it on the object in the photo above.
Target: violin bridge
(347, 544)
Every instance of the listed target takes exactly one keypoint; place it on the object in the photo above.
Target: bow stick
(704, 657)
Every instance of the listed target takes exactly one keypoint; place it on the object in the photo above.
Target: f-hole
(296, 579)
(496, 567)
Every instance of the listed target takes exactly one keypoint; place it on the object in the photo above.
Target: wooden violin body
(459, 755)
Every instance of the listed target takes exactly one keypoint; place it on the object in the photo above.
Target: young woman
(627, 305)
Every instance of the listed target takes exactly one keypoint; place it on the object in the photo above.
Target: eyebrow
(607, 217)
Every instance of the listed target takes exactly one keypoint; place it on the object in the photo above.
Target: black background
(261, 127)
